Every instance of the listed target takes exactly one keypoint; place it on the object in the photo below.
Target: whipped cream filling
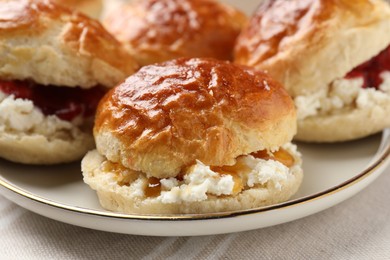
(343, 94)
(200, 181)
(21, 116)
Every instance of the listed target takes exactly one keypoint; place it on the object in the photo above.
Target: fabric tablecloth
(358, 228)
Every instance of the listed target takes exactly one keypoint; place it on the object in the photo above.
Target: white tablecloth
(358, 228)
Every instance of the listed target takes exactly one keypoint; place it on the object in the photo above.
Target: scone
(332, 56)
(55, 66)
(194, 136)
(92, 8)
(160, 30)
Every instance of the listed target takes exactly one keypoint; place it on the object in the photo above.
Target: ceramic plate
(333, 173)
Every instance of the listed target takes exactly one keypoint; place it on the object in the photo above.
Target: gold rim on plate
(381, 160)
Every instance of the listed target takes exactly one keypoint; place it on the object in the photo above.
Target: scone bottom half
(194, 136)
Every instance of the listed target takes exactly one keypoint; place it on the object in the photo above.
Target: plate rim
(381, 159)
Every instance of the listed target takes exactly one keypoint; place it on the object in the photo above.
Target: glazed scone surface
(161, 30)
(167, 115)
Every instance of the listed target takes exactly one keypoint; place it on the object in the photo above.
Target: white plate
(333, 173)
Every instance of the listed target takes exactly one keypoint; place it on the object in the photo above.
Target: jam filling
(153, 186)
(64, 102)
(280, 155)
(371, 70)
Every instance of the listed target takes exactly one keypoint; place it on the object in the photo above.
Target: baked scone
(55, 66)
(332, 56)
(194, 136)
(92, 8)
(161, 30)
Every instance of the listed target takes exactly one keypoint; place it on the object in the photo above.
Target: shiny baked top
(44, 23)
(159, 30)
(189, 109)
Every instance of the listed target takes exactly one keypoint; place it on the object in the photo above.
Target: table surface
(358, 228)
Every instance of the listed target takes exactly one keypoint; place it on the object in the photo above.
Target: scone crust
(38, 149)
(160, 30)
(306, 44)
(332, 128)
(49, 44)
(167, 115)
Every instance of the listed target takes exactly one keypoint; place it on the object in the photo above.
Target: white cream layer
(21, 116)
(343, 94)
(201, 181)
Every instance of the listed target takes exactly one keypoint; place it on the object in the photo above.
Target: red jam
(370, 71)
(64, 102)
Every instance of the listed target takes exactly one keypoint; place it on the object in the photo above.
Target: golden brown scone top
(167, 115)
(278, 23)
(72, 34)
(292, 38)
(275, 22)
(159, 30)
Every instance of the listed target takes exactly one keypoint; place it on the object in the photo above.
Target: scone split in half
(194, 136)
(55, 66)
(333, 58)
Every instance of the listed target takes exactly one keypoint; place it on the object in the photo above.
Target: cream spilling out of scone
(333, 57)
(194, 136)
(55, 66)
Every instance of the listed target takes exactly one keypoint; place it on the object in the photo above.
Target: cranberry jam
(371, 70)
(65, 102)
